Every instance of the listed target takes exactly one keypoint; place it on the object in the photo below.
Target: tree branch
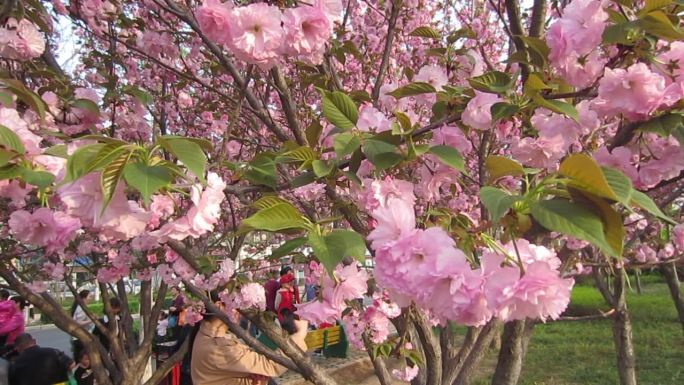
(389, 39)
(538, 18)
(288, 104)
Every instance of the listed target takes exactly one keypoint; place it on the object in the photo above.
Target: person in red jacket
(286, 298)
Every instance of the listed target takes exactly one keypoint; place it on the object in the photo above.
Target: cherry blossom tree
(481, 154)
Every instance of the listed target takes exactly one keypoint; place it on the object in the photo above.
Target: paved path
(50, 336)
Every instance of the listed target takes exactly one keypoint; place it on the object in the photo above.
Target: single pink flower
(477, 113)
(213, 17)
(256, 34)
(307, 29)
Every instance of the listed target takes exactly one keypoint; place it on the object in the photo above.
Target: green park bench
(333, 341)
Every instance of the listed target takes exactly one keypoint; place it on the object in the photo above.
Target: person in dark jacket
(38, 366)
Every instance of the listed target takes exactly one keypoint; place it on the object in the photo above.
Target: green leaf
(188, 152)
(6, 99)
(300, 154)
(645, 202)
(497, 201)
(501, 111)
(143, 96)
(58, 150)
(40, 179)
(81, 159)
(10, 140)
(557, 106)
(587, 175)
(449, 156)
(303, 179)
(652, 5)
(111, 175)
(321, 168)
(663, 125)
(106, 155)
(381, 154)
(345, 143)
(332, 248)
(281, 216)
(10, 171)
(313, 132)
(204, 143)
(340, 110)
(500, 166)
(537, 50)
(147, 179)
(623, 33)
(426, 32)
(572, 219)
(287, 248)
(262, 170)
(613, 228)
(412, 89)
(619, 183)
(494, 82)
(658, 24)
(268, 201)
(6, 156)
(87, 105)
(29, 97)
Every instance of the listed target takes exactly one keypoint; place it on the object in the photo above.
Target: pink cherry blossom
(332, 8)
(394, 220)
(477, 113)
(202, 217)
(213, 17)
(318, 312)
(309, 192)
(540, 152)
(253, 295)
(406, 375)
(43, 227)
(10, 118)
(307, 29)
(370, 119)
(21, 40)
(433, 75)
(579, 31)
(37, 287)
(645, 254)
(13, 190)
(678, 237)
(635, 92)
(620, 158)
(256, 34)
(452, 136)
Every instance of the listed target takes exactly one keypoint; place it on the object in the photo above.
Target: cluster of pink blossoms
(21, 40)
(260, 34)
(44, 227)
(374, 321)
(350, 283)
(425, 267)
(574, 39)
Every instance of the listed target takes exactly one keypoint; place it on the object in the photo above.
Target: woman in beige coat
(220, 358)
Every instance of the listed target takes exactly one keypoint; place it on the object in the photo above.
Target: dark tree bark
(669, 271)
(511, 354)
(477, 353)
(453, 358)
(622, 332)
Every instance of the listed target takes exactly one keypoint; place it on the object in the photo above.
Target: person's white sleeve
(278, 299)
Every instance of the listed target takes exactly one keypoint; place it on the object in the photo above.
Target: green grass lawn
(582, 353)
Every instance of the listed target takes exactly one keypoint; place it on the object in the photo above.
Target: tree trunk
(472, 362)
(431, 349)
(637, 278)
(622, 332)
(510, 355)
(452, 358)
(669, 271)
